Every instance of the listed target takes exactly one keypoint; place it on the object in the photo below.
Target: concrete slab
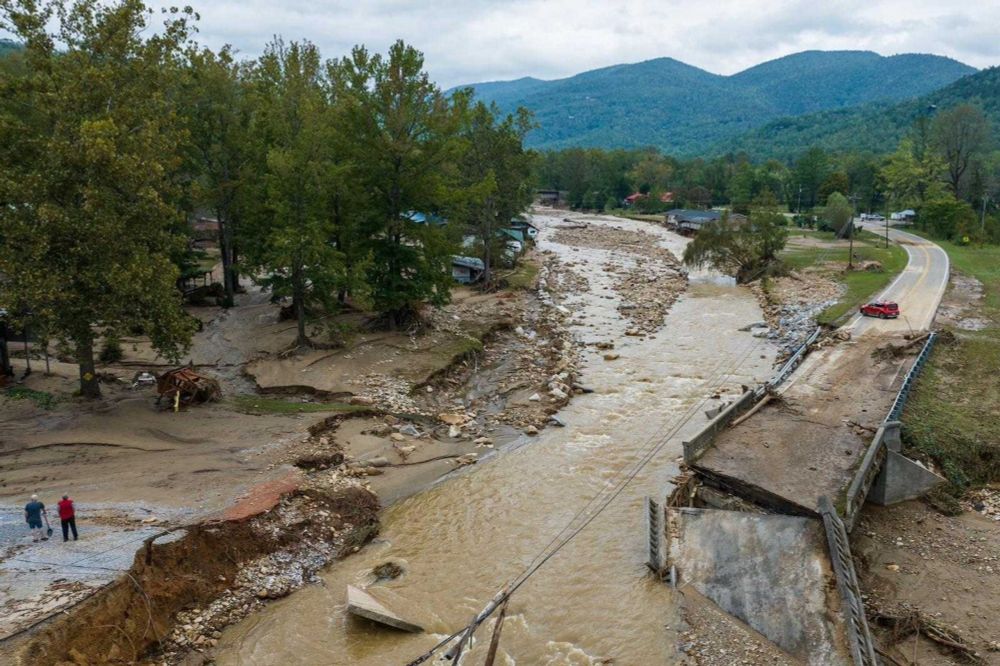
(364, 605)
(901, 479)
(770, 571)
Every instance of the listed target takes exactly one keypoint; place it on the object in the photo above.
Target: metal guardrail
(789, 366)
(859, 636)
(876, 453)
(904, 392)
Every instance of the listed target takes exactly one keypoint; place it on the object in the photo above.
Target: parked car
(881, 309)
(875, 217)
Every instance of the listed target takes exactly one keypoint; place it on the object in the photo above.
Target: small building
(908, 215)
(690, 222)
(513, 234)
(667, 197)
(550, 197)
(528, 229)
(467, 269)
(630, 200)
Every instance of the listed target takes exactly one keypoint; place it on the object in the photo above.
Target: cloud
(483, 40)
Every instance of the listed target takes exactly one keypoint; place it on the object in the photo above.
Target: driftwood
(184, 386)
(908, 622)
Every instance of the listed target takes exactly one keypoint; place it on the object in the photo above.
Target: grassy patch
(255, 404)
(524, 275)
(40, 398)
(949, 416)
(860, 286)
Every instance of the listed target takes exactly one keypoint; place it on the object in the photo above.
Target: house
(907, 215)
(513, 234)
(685, 221)
(528, 229)
(467, 269)
(667, 197)
(630, 200)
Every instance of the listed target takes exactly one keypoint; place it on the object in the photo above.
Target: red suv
(883, 310)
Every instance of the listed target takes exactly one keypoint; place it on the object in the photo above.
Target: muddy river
(462, 539)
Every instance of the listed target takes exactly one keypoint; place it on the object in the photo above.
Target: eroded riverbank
(462, 539)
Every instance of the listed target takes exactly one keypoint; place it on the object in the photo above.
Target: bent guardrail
(875, 455)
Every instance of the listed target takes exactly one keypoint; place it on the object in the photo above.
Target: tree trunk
(226, 252)
(90, 387)
(299, 306)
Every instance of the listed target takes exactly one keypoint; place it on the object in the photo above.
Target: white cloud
(481, 40)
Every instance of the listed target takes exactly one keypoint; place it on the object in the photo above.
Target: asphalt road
(917, 290)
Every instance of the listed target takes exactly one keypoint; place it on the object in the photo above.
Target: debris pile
(182, 387)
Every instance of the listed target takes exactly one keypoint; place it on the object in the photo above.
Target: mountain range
(687, 111)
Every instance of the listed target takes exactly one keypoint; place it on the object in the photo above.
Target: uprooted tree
(746, 249)
(90, 148)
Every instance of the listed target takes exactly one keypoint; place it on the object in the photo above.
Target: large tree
(960, 134)
(405, 142)
(217, 112)
(746, 249)
(91, 153)
(495, 170)
(288, 232)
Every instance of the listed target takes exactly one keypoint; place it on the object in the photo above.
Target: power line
(616, 490)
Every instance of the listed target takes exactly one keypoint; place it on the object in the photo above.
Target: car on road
(881, 309)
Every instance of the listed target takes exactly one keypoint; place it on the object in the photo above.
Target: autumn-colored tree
(91, 149)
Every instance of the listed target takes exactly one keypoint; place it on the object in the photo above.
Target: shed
(467, 269)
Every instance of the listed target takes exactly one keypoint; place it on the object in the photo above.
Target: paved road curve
(918, 289)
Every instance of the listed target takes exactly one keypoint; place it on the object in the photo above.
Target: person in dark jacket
(67, 516)
(33, 512)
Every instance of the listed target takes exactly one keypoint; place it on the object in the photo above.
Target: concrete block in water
(901, 479)
(364, 605)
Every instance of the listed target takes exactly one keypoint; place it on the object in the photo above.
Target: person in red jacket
(67, 516)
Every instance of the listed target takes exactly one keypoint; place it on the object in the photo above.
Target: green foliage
(838, 214)
(947, 218)
(684, 109)
(112, 351)
(287, 231)
(875, 127)
(495, 172)
(402, 134)
(90, 155)
(40, 398)
(747, 250)
(255, 404)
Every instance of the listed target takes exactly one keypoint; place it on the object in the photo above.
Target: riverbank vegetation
(332, 182)
(948, 417)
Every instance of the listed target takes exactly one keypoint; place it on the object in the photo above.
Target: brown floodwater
(461, 540)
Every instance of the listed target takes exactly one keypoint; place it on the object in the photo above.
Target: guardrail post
(858, 634)
(654, 523)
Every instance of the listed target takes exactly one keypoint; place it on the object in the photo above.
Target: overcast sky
(468, 41)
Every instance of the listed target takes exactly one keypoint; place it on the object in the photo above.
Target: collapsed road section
(759, 522)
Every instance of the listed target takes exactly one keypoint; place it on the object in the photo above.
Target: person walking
(67, 516)
(33, 512)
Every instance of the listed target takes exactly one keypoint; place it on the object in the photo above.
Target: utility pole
(850, 232)
(982, 219)
(798, 206)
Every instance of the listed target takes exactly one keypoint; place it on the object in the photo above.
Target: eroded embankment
(238, 562)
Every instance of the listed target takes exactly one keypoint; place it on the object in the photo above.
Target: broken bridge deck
(810, 441)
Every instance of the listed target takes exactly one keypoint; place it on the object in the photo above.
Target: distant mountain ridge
(685, 110)
(874, 127)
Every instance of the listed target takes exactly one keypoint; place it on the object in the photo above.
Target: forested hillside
(684, 110)
(872, 127)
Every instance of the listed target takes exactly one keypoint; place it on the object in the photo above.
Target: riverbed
(462, 539)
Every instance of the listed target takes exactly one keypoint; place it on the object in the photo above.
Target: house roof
(424, 218)
(632, 198)
(516, 234)
(686, 215)
(468, 262)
